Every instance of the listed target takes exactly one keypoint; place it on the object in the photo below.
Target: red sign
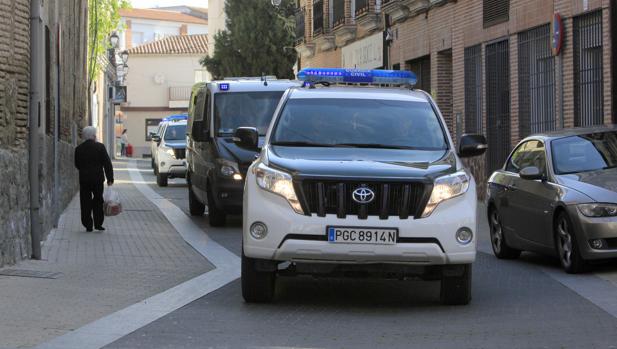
(557, 34)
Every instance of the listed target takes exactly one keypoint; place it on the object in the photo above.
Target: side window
(530, 153)
(199, 107)
(208, 110)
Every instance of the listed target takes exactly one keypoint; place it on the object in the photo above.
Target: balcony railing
(362, 7)
(338, 15)
(180, 93)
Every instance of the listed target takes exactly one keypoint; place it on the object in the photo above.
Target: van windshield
(237, 109)
(359, 123)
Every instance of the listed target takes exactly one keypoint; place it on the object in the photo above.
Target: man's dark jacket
(91, 159)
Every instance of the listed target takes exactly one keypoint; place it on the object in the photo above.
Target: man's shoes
(101, 228)
(89, 230)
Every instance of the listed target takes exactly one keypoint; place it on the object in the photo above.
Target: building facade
(141, 26)
(159, 84)
(503, 68)
(59, 92)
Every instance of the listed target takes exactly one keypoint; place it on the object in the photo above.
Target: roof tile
(178, 44)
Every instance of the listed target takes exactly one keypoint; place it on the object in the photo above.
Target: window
(473, 89)
(152, 127)
(201, 75)
(536, 81)
(137, 38)
(48, 113)
(590, 152)
(528, 154)
(362, 7)
(588, 91)
(495, 12)
(422, 68)
(337, 12)
(300, 17)
(317, 17)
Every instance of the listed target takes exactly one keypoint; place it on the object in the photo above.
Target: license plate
(360, 235)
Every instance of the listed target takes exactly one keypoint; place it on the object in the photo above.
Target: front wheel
(195, 206)
(152, 162)
(456, 285)
(257, 286)
(498, 240)
(161, 179)
(566, 246)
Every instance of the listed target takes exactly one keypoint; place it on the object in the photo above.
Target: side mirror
(156, 138)
(198, 132)
(531, 173)
(247, 138)
(471, 145)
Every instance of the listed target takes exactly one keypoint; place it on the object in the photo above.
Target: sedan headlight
(445, 188)
(598, 210)
(277, 182)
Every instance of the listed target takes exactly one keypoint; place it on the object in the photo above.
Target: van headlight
(598, 210)
(227, 168)
(168, 151)
(445, 188)
(279, 183)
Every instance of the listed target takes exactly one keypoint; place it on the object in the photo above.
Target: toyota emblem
(363, 195)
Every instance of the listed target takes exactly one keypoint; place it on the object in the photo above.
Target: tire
(196, 208)
(498, 238)
(567, 247)
(257, 286)
(456, 290)
(216, 216)
(156, 170)
(161, 179)
(152, 162)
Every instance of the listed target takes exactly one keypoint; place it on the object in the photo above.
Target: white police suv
(359, 180)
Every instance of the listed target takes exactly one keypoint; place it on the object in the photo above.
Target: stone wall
(64, 21)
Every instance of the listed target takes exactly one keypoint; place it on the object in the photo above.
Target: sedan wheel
(567, 249)
(498, 241)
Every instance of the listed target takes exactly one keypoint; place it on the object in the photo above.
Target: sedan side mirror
(531, 173)
(471, 145)
(247, 138)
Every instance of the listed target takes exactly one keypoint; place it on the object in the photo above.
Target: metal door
(497, 104)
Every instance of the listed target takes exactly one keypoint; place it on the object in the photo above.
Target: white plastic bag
(111, 202)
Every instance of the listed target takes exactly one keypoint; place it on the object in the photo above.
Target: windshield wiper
(302, 144)
(377, 145)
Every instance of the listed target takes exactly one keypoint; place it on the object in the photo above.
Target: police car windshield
(175, 133)
(237, 109)
(359, 123)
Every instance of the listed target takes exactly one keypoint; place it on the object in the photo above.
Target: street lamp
(124, 55)
(114, 39)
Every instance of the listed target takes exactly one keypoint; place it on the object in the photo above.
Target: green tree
(259, 38)
(103, 19)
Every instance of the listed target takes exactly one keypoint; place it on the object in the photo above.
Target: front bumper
(300, 238)
(588, 228)
(228, 193)
(171, 166)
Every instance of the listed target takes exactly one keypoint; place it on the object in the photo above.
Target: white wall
(148, 30)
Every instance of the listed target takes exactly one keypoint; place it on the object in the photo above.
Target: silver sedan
(557, 194)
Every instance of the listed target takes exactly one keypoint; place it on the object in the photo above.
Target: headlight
(227, 168)
(168, 151)
(598, 210)
(279, 183)
(445, 188)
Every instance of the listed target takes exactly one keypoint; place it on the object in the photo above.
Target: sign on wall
(119, 94)
(364, 54)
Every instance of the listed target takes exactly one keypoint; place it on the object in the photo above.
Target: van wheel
(152, 162)
(195, 207)
(161, 179)
(216, 216)
(456, 285)
(156, 170)
(257, 286)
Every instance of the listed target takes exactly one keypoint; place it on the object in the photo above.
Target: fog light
(163, 163)
(259, 230)
(464, 236)
(597, 244)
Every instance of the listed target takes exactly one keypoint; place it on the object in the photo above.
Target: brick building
(61, 71)
(490, 64)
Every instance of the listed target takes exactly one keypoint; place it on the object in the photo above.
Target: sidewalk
(89, 275)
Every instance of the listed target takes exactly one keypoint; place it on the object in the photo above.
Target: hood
(230, 151)
(362, 162)
(599, 185)
(176, 144)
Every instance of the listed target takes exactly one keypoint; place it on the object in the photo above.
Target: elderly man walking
(94, 166)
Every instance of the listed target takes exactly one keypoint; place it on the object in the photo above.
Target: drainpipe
(56, 205)
(34, 121)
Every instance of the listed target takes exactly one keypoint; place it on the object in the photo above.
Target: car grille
(402, 199)
(180, 153)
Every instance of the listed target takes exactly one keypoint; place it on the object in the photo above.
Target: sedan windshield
(590, 152)
(175, 133)
(252, 109)
(359, 123)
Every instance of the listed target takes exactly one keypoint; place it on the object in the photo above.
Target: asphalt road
(516, 304)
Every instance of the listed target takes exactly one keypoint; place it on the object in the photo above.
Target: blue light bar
(177, 117)
(224, 87)
(357, 76)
